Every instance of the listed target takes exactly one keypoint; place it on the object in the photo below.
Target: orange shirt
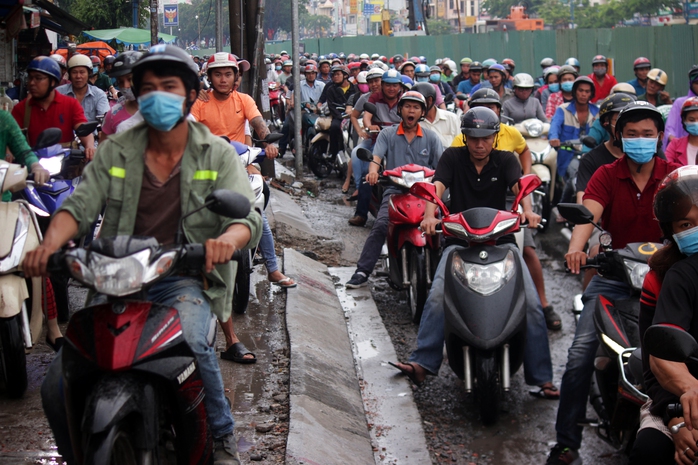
(227, 117)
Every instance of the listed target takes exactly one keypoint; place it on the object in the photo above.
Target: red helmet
(509, 61)
(222, 60)
(310, 68)
(415, 60)
(691, 104)
(95, 60)
(354, 65)
(642, 62)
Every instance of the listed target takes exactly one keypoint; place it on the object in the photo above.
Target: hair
(639, 116)
(665, 258)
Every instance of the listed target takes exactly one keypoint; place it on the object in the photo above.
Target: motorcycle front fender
(411, 236)
(13, 292)
(542, 171)
(320, 135)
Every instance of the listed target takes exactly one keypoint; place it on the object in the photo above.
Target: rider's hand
(428, 225)
(665, 97)
(372, 178)
(533, 219)
(364, 135)
(554, 142)
(374, 127)
(272, 151)
(218, 252)
(575, 259)
(689, 401)
(35, 262)
(41, 175)
(90, 153)
(682, 440)
(203, 95)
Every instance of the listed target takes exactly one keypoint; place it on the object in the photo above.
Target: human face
(355, 71)
(611, 124)
(641, 73)
(338, 77)
(374, 85)
(38, 84)
(491, 106)
(408, 71)
(475, 76)
(552, 79)
(325, 68)
(691, 117)
(465, 68)
(567, 78)
(125, 82)
(286, 69)
(495, 78)
(523, 93)
(644, 128)
(172, 84)
(599, 69)
(390, 90)
(688, 222)
(480, 147)
(411, 113)
(223, 79)
(583, 94)
(310, 77)
(653, 87)
(78, 77)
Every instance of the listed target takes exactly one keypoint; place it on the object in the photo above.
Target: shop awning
(60, 21)
(128, 36)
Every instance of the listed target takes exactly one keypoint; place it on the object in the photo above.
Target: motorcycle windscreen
(484, 321)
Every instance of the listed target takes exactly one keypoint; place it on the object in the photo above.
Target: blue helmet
(422, 70)
(407, 82)
(47, 66)
(392, 77)
(571, 61)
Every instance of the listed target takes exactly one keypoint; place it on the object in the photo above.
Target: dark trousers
(335, 135)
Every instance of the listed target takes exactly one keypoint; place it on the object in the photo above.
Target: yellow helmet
(658, 75)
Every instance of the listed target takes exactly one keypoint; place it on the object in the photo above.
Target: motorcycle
(569, 183)
(245, 258)
(484, 302)
(274, 107)
(616, 391)
(20, 234)
(543, 165)
(412, 257)
(320, 161)
(131, 384)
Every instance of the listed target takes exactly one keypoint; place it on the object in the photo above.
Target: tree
(315, 25)
(607, 15)
(439, 27)
(105, 14)
(502, 8)
(277, 16)
(555, 13)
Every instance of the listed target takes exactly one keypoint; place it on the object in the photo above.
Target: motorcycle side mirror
(577, 214)
(527, 184)
(221, 202)
(427, 191)
(364, 154)
(448, 98)
(590, 142)
(462, 97)
(47, 138)
(670, 343)
(85, 129)
(371, 108)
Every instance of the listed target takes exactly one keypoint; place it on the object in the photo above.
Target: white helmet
(451, 65)
(374, 73)
(523, 80)
(80, 60)
(361, 77)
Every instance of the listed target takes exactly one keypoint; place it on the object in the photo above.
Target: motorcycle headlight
(456, 229)
(636, 272)
(119, 276)
(484, 279)
(534, 128)
(53, 165)
(161, 266)
(408, 179)
(317, 128)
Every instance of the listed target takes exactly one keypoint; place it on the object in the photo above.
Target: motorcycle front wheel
(417, 291)
(13, 361)
(241, 293)
(487, 388)
(319, 165)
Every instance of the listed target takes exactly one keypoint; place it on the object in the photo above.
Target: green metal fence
(671, 48)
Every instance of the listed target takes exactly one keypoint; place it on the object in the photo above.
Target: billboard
(171, 15)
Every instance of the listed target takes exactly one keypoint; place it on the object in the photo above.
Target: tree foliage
(315, 25)
(502, 8)
(105, 14)
(277, 16)
(439, 27)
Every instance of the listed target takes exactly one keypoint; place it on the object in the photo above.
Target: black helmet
(479, 122)
(123, 64)
(583, 79)
(341, 68)
(109, 60)
(475, 66)
(168, 59)
(613, 104)
(693, 73)
(675, 196)
(638, 111)
(484, 96)
(426, 89)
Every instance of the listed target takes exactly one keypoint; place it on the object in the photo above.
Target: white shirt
(446, 125)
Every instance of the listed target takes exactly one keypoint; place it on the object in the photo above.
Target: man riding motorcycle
(336, 95)
(93, 101)
(641, 66)
(603, 82)
(522, 106)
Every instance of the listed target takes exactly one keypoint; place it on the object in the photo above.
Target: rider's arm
(540, 112)
(262, 131)
(89, 143)
(525, 160)
(354, 118)
(63, 227)
(556, 127)
(581, 233)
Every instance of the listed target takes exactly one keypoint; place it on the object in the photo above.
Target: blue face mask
(640, 149)
(554, 87)
(421, 78)
(161, 110)
(278, 68)
(95, 69)
(567, 86)
(687, 241)
(434, 77)
(692, 128)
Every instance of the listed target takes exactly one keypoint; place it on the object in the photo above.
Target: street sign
(171, 15)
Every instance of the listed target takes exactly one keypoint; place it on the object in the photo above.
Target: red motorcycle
(276, 105)
(132, 388)
(412, 256)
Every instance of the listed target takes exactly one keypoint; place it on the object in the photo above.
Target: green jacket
(114, 178)
(11, 137)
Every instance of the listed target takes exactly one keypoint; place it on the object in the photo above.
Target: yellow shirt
(509, 139)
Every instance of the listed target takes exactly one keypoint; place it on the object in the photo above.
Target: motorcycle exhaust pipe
(506, 378)
(405, 279)
(25, 326)
(468, 378)
(427, 262)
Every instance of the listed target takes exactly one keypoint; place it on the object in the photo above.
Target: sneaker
(560, 455)
(225, 450)
(357, 220)
(358, 280)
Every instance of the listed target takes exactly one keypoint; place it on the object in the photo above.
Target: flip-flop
(411, 374)
(345, 191)
(548, 392)
(236, 353)
(285, 283)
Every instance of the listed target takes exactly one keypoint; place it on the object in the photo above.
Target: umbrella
(128, 36)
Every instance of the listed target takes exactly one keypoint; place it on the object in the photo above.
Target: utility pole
(219, 25)
(236, 45)
(295, 26)
(153, 22)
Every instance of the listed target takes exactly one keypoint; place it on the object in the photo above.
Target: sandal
(547, 391)
(411, 374)
(285, 283)
(552, 319)
(236, 353)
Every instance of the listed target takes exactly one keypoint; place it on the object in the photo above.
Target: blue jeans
(360, 167)
(374, 242)
(538, 368)
(574, 389)
(186, 295)
(266, 246)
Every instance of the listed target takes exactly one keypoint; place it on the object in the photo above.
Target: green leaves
(439, 27)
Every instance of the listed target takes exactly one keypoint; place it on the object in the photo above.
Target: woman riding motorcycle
(522, 106)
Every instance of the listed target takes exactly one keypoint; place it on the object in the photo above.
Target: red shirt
(602, 91)
(64, 113)
(627, 213)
